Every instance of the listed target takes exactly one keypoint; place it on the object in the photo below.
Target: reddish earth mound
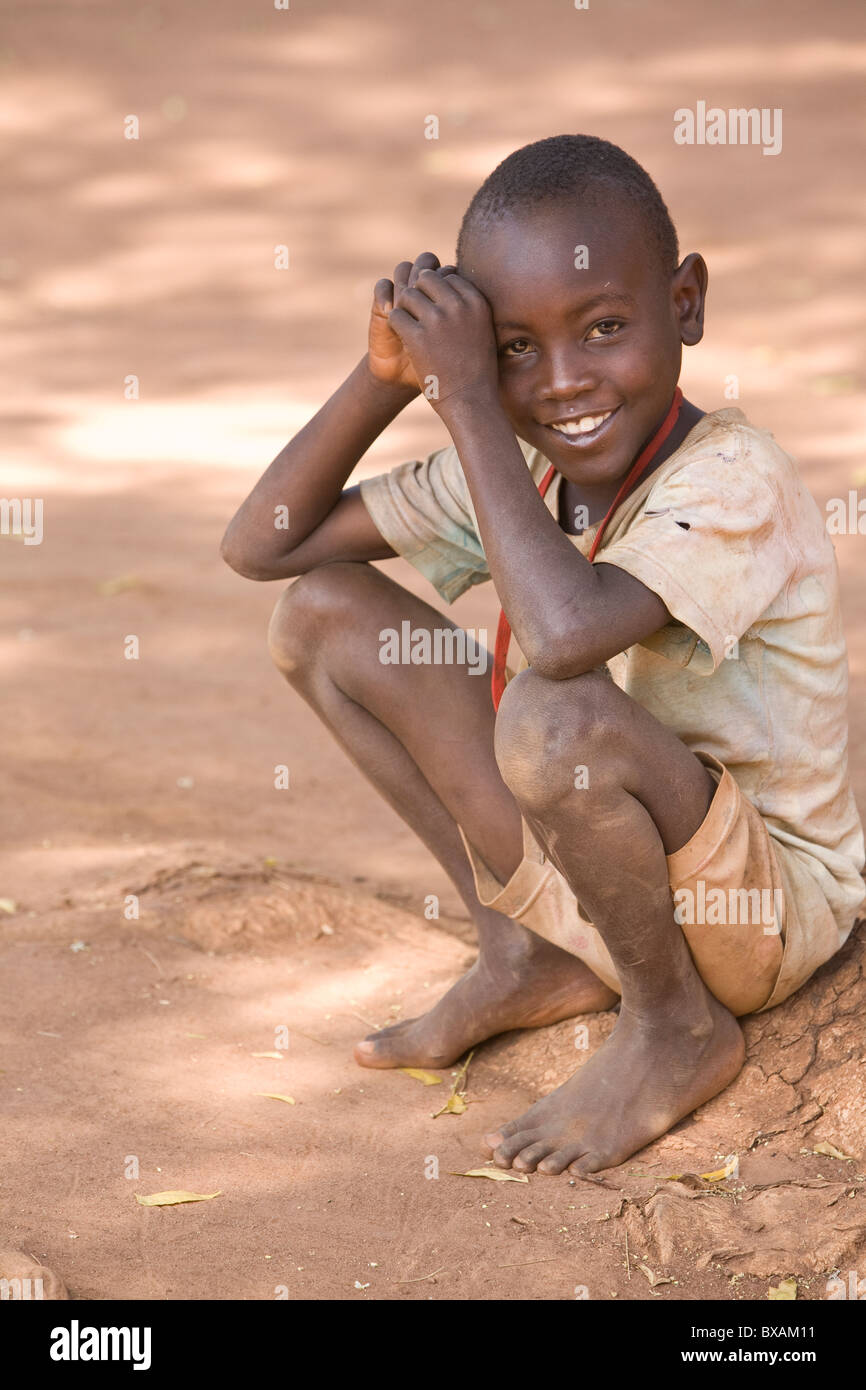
(161, 1042)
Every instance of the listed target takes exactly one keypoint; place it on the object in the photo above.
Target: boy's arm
(305, 481)
(307, 477)
(568, 615)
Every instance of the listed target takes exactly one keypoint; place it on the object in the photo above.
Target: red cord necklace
(640, 465)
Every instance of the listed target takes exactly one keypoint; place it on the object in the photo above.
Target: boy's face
(595, 351)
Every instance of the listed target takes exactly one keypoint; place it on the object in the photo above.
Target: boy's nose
(567, 376)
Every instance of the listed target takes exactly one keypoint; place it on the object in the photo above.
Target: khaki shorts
(755, 920)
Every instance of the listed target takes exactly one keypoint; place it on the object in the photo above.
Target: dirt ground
(136, 1052)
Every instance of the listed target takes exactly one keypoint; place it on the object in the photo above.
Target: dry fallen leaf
(426, 1076)
(8, 905)
(497, 1174)
(831, 1151)
(277, 1055)
(454, 1105)
(121, 585)
(654, 1278)
(786, 1290)
(457, 1104)
(174, 1199)
(837, 384)
(718, 1174)
(272, 1095)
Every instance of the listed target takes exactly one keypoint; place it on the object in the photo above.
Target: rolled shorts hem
(749, 966)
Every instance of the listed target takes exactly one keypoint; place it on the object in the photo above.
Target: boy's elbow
(553, 668)
(247, 565)
(561, 656)
(234, 557)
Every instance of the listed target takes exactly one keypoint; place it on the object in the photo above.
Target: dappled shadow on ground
(204, 1045)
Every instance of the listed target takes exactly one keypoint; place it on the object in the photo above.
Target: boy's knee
(546, 731)
(304, 611)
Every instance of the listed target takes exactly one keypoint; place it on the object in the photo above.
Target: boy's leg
(423, 735)
(674, 1045)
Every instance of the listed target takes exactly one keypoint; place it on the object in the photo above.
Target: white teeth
(584, 425)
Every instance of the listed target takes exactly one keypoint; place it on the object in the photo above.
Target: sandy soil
(128, 1045)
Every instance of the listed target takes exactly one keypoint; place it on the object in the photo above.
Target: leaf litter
(496, 1174)
(457, 1104)
(787, 1289)
(428, 1078)
(174, 1199)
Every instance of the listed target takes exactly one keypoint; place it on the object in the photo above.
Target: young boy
(659, 809)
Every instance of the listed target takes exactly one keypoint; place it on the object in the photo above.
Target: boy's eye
(605, 328)
(518, 347)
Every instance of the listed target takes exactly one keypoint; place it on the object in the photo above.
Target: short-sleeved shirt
(752, 666)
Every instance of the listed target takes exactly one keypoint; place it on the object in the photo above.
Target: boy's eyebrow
(611, 297)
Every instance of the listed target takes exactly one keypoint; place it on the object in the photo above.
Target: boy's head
(572, 245)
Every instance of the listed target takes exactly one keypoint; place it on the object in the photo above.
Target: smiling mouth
(581, 424)
(581, 427)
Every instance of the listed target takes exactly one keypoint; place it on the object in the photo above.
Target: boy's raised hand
(387, 356)
(446, 328)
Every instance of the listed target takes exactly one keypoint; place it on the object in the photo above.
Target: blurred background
(154, 258)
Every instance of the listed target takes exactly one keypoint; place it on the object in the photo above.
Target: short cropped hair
(570, 166)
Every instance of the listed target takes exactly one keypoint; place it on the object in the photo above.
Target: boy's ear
(689, 289)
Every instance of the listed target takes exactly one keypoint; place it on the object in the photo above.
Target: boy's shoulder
(728, 536)
(728, 447)
(729, 471)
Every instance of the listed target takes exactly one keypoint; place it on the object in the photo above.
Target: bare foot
(645, 1078)
(527, 990)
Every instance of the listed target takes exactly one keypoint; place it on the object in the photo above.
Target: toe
(383, 1049)
(560, 1159)
(508, 1150)
(492, 1141)
(528, 1159)
(588, 1163)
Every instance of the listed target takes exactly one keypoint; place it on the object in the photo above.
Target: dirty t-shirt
(752, 665)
